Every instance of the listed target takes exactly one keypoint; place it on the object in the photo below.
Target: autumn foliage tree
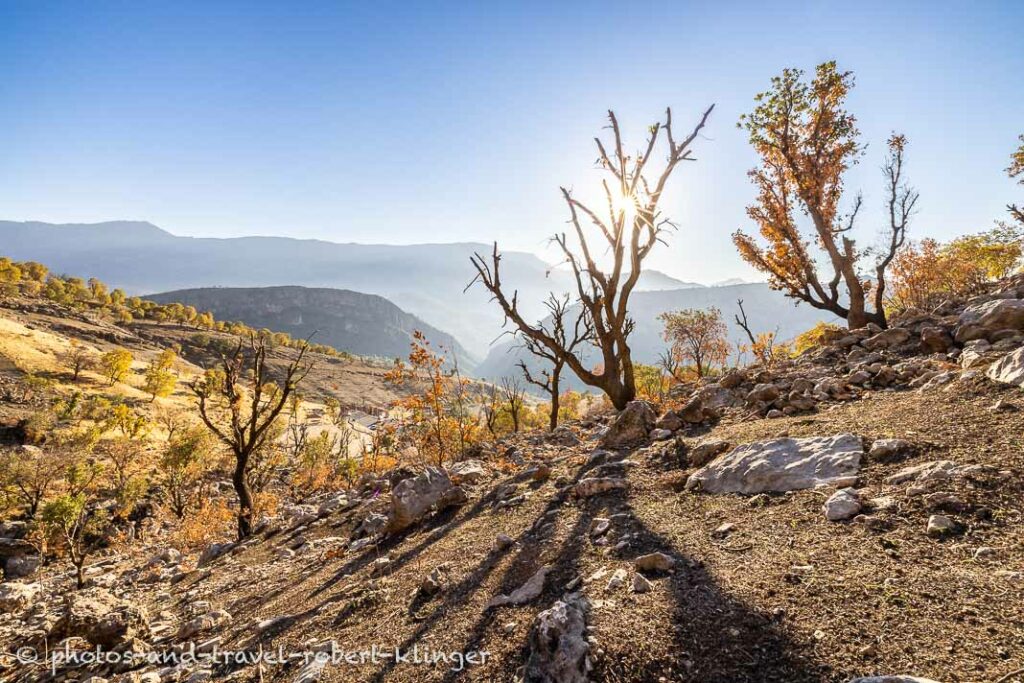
(240, 403)
(629, 224)
(698, 338)
(807, 140)
(438, 422)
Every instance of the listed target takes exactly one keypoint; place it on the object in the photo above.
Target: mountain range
(424, 281)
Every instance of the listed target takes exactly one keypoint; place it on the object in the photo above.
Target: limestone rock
(886, 339)
(884, 449)
(16, 596)
(842, 505)
(782, 465)
(631, 426)
(706, 451)
(1009, 369)
(533, 587)
(101, 618)
(467, 472)
(412, 498)
(593, 486)
(654, 562)
(558, 645)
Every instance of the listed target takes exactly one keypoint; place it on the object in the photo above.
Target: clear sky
(437, 122)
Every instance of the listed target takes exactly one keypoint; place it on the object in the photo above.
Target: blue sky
(417, 122)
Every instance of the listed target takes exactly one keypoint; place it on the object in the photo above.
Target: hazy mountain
(653, 280)
(767, 311)
(364, 324)
(426, 280)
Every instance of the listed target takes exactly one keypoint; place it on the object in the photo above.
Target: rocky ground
(854, 513)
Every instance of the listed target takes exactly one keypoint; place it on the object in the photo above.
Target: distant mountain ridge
(363, 324)
(426, 280)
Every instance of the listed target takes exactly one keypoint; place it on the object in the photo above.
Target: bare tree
(630, 225)
(901, 200)
(513, 393)
(761, 345)
(1016, 170)
(240, 402)
(550, 380)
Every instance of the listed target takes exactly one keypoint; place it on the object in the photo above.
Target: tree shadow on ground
(716, 638)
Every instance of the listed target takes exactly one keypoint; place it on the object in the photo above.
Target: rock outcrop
(782, 465)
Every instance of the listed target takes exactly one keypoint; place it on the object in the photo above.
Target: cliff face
(363, 324)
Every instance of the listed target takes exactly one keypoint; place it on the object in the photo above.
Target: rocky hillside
(362, 324)
(853, 515)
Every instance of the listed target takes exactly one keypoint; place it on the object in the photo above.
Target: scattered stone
(504, 541)
(467, 472)
(412, 498)
(205, 622)
(706, 451)
(941, 525)
(842, 505)
(654, 562)
(593, 486)
(782, 465)
(617, 581)
(17, 596)
(723, 530)
(558, 645)
(631, 426)
(533, 587)
(886, 449)
(1009, 369)
(101, 618)
(641, 584)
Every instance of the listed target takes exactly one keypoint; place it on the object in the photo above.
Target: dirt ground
(786, 596)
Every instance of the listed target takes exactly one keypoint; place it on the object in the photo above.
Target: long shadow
(716, 637)
(530, 545)
(440, 525)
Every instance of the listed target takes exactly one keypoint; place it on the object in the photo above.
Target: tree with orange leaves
(698, 338)
(807, 141)
(438, 419)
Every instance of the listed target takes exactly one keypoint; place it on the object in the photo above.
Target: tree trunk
(619, 394)
(553, 422)
(245, 501)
